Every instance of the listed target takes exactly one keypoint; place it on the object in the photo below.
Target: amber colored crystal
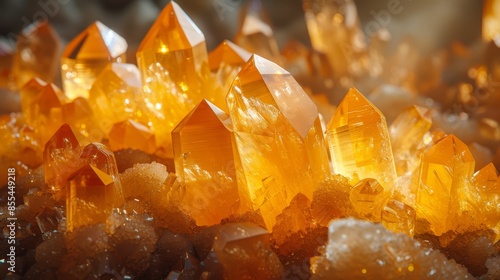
(42, 107)
(486, 179)
(203, 156)
(399, 217)
(245, 253)
(334, 29)
(407, 132)
(368, 199)
(60, 157)
(270, 112)
(87, 55)
(48, 220)
(37, 53)
(173, 62)
(295, 218)
(256, 35)
(445, 170)
(486, 187)
(491, 22)
(130, 134)
(359, 141)
(89, 197)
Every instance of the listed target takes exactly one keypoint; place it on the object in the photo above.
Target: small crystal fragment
(245, 253)
(359, 141)
(445, 170)
(368, 199)
(37, 51)
(86, 56)
(399, 217)
(131, 134)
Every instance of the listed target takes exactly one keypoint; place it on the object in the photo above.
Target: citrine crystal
(173, 61)
(245, 253)
(60, 157)
(42, 107)
(486, 186)
(491, 23)
(203, 156)
(398, 217)
(335, 30)
(255, 33)
(407, 132)
(130, 134)
(36, 56)
(264, 103)
(226, 61)
(368, 199)
(116, 96)
(445, 172)
(78, 113)
(89, 197)
(87, 55)
(359, 141)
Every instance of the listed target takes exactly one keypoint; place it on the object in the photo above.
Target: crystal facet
(87, 55)
(131, 134)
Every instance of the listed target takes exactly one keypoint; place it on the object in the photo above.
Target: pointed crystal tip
(96, 42)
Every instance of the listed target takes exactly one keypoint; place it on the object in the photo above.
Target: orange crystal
(359, 141)
(87, 55)
(131, 134)
(270, 112)
(445, 172)
(368, 199)
(398, 217)
(37, 53)
(203, 156)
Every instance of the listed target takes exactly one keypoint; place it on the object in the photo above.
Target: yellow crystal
(445, 172)
(270, 112)
(407, 133)
(87, 55)
(173, 62)
(359, 141)
(130, 134)
(368, 199)
(37, 52)
(256, 35)
(203, 156)
(398, 217)
(486, 186)
(42, 107)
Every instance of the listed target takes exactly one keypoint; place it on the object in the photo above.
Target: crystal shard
(133, 135)
(116, 96)
(368, 199)
(445, 170)
(334, 29)
(173, 62)
(255, 33)
(89, 197)
(37, 51)
(359, 141)
(203, 156)
(60, 157)
(407, 132)
(87, 55)
(245, 253)
(399, 217)
(270, 112)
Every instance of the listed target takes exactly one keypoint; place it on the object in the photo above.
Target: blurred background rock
(432, 23)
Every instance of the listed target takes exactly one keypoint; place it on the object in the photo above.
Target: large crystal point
(204, 161)
(60, 157)
(37, 52)
(245, 252)
(407, 133)
(335, 30)
(256, 34)
(87, 55)
(359, 141)
(271, 114)
(445, 172)
(173, 62)
(42, 107)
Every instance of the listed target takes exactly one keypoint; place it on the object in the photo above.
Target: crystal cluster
(224, 165)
